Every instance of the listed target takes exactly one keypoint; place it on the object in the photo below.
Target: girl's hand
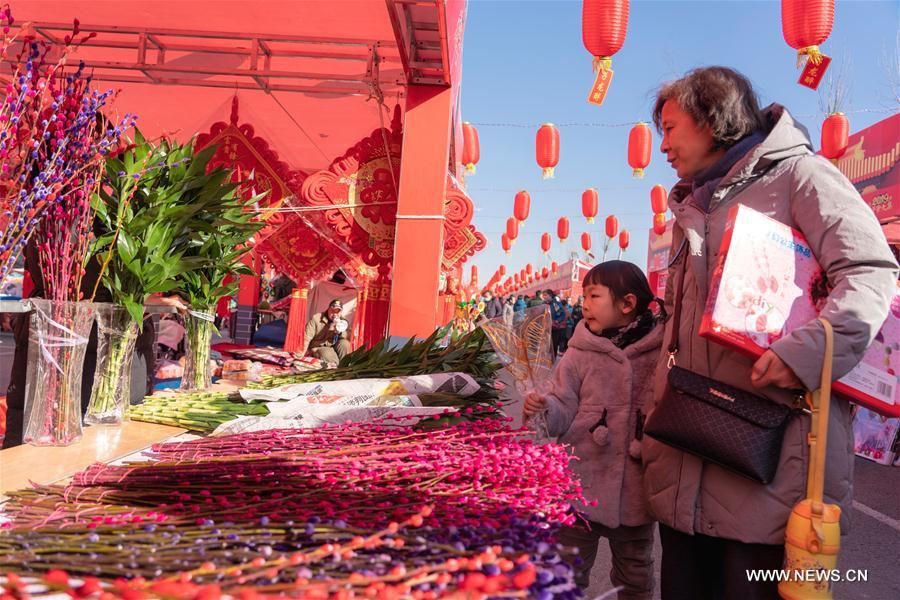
(534, 404)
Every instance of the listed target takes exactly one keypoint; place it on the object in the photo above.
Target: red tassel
(293, 341)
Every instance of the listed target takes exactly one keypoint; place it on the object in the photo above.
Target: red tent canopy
(308, 76)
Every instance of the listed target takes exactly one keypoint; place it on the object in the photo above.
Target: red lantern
(554, 268)
(835, 131)
(659, 199)
(471, 152)
(586, 241)
(502, 270)
(516, 278)
(512, 229)
(612, 226)
(505, 242)
(603, 27)
(547, 149)
(589, 204)
(805, 25)
(639, 147)
(659, 223)
(545, 273)
(521, 205)
(545, 242)
(624, 238)
(562, 229)
(474, 276)
(528, 269)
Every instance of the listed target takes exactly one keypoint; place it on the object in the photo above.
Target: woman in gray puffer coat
(597, 406)
(714, 524)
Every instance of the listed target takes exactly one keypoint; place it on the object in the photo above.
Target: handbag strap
(676, 314)
(820, 404)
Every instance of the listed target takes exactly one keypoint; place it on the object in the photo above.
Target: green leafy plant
(145, 213)
(217, 242)
(219, 235)
(143, 210)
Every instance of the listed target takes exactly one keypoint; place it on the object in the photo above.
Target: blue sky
(524, 64)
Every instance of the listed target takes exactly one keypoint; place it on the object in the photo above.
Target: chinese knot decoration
(547, 149)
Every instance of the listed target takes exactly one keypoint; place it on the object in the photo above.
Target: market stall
(308, 94)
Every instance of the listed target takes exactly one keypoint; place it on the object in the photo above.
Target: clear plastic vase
(117, 333)
(57, 341)
(198, 329)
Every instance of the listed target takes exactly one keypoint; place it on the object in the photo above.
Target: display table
(101, 443)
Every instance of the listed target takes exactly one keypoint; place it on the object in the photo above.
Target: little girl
(600, 389)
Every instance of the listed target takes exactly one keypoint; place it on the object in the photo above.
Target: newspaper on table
(289, 409)
(460, 384)
(313, 416)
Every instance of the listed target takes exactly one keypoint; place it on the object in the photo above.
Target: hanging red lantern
(545, 242)
(640, 140)
(612, 226)
(586, 241)
(624, 238)
(554, 268)
(545, 273)
(562, 229)
(589, 204)
(505, 242)
(528, 269)
(659, 223)
(512, 229)
(471, 152)
(603, 27)
(547, 149)
(502, 270)
(522, 205)
(835, 131)
(805, 25)
(516, 277)
(659, 199)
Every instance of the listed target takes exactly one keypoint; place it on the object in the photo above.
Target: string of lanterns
(806, 24)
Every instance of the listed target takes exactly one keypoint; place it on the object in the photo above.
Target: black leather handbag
(719, 423)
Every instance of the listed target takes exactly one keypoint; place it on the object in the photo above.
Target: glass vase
(117, 333)
(198, 329)
(57, 342)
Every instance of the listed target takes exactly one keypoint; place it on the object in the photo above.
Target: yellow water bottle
(813, 533)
